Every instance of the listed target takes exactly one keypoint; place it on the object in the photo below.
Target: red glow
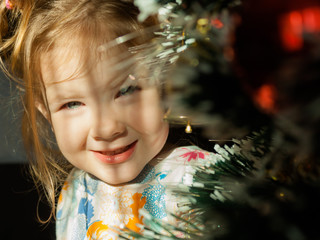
(311, 19)
(216, 23)
(295, 23)
(291, 31)
(265, 98)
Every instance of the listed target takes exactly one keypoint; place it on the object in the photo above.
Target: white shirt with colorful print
(91, 209)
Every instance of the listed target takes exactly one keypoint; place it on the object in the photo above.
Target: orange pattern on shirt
(138, 203)
(96, 229)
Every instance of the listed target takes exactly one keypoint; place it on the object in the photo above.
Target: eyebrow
(123, 63)
(62, 96)
(126, 68)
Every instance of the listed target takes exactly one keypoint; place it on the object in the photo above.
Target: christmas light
(188, 128)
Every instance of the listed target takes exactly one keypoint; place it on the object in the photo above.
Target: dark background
(19, 200)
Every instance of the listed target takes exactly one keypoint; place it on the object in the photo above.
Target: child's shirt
(91, 209)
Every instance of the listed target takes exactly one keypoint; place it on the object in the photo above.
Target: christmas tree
(247, 71)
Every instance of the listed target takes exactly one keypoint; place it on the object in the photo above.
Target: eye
(72, 105)
(127, 90)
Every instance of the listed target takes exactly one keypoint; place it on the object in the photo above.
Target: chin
(118, 181)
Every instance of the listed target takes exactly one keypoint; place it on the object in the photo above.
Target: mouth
(118, 151)
(117, 156)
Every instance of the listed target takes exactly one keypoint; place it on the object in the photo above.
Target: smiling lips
(115, 157)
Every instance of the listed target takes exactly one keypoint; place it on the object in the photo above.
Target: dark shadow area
(11, 109)
(19, 202)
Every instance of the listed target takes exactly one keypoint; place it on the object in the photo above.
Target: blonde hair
(30, 30)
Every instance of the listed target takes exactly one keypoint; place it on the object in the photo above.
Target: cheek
(147, 120)
(69, 134)
(147, 117)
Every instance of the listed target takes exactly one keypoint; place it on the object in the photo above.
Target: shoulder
(189, 155)
(74, 199)
(174, 167)
(78, 185)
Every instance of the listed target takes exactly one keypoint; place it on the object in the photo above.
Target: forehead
(59, 63)
(70, 59)
(80, 48)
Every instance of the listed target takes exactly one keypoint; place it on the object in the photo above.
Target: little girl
(106, 114)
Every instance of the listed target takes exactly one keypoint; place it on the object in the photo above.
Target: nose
(106, 126)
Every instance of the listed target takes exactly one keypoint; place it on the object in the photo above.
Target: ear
(43, 110)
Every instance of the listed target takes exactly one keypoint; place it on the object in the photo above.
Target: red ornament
(295, 24)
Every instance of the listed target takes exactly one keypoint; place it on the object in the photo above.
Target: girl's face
(105, 124)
